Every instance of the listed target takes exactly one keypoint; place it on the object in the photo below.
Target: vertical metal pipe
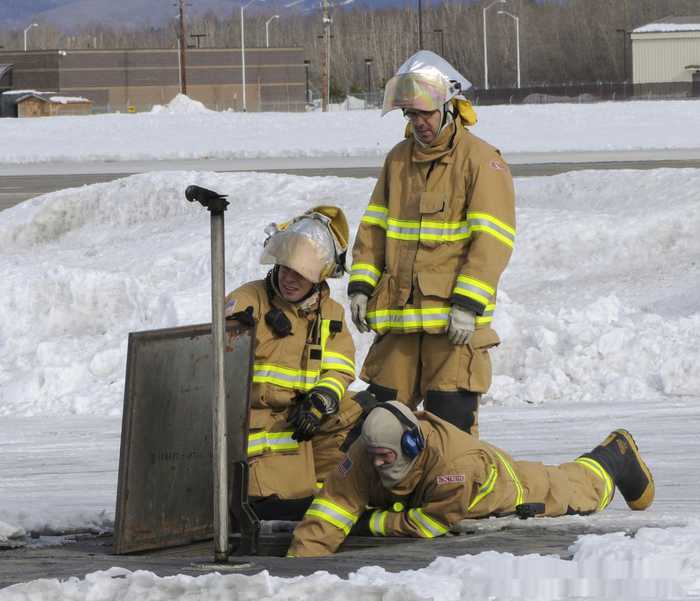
(220, 446)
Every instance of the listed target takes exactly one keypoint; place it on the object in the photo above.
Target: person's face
(293, 285)
(425, 124)
(381, 456)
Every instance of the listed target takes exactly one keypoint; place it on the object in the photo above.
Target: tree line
(561, 41)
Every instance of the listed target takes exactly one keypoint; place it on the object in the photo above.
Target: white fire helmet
(313, 244)
(425, 82)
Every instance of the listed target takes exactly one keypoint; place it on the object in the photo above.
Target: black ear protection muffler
(412, 441)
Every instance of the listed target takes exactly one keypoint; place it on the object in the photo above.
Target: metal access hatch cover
(165, 489)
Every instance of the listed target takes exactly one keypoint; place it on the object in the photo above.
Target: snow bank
(599, 304)
(184, 129)
(655, 564)
(181, 105)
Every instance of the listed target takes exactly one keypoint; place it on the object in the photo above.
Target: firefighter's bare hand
(461, 326)
(358, 310)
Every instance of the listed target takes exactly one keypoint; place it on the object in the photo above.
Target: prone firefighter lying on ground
(304, 361)
(416, 475)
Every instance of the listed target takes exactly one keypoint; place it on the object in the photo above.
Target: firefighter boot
(619, 456)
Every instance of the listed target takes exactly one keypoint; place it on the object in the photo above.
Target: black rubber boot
(382, 393)
(274, 508)
(619, 456)
(458, 407)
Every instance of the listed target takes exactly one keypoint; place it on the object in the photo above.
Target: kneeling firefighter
(304, 362)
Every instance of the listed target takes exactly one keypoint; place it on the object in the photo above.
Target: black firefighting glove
(306, 417)
(361, 527)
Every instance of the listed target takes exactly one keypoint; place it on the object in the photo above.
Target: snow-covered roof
(21, 92)
(68, 99)
(670, 24)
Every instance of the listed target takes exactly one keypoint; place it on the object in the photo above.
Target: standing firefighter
(416, 475)
(304, 362)
(430, 249)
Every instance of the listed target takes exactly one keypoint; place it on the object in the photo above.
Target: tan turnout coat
(456, 476)
(319, 354)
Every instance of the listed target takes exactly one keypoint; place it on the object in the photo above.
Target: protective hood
(383, 429)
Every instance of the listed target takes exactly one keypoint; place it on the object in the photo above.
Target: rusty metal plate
(165, 489)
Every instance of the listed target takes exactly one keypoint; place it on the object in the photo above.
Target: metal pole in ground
(216, 204)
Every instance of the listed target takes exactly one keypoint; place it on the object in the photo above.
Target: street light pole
(243, 7)
(517, 38)
(368, 63)
(486, 52)
(267, 30)
(25, 34)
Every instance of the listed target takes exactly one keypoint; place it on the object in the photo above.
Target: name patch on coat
(345, 466)
(450, 478)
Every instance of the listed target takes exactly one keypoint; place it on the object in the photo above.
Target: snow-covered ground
(598, 312)
(186, 130)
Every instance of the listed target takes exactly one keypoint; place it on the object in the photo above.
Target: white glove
(358, 310)
(461, 325)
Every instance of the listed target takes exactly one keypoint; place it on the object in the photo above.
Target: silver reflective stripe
(428, 527)
(332, 513)
(460, 285)
(488, 223)
(270, 374)
(410, 231)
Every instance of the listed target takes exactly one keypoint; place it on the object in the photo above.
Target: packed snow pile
(181, 105)
(599, 303)
(185, 129)
(656, 564)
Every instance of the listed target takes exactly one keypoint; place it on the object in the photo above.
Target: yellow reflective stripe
(332, 384)
(433, 317)
(375, 215)
(599, 471)
(519, 493)
(273, 442)
(365, 272)
(332, 513)
(401, 229)
(487, 317)
(428, 527)
(284, 377)
(444, 231)
(319, 485)
(483, 222)
(476, 289)
(377, 522)
(486, 488)
(338, 362)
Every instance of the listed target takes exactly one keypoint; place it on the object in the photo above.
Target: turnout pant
(424, 367)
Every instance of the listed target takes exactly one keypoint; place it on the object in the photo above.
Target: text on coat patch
(450, 478)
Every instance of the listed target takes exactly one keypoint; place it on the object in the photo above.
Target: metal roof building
(667, 50)
(118, 79)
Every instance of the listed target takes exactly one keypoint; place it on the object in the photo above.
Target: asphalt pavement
(22, 182)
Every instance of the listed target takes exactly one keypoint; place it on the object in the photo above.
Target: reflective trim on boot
(620, 457)
(457, 407)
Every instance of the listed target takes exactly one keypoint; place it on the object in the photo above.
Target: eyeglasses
(413, 115)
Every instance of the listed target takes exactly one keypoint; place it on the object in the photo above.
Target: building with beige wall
(118, 79)
(667, 50)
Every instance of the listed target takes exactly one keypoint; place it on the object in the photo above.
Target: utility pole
(183, 47)
(326, 57)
